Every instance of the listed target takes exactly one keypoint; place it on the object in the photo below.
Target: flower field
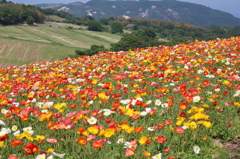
(160, 102)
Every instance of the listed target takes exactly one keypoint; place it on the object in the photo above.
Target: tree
(18, 13)
(94, 49)
(116, 27)
(149, 32)
(3, 1)
(104, 21)
(80, 52)
(87, 17)
(126, 43)
(30, 20)
(94, 26)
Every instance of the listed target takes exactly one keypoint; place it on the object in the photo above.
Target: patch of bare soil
(232, 147)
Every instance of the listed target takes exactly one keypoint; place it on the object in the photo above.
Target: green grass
(48, 43)
(20, 52)
(55, 17)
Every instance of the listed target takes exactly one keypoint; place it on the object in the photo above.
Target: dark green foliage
(92, 51)
(116, 27)
(80, 53)
(30, 20)
(79, 21)
(126, 43)
(69, 27)
(94, 26)
(145, 37)
(135, 27)
(18, 13)
(3, 1)
(104, 21)
(87, 18)
(148, 32)
(133, 41)
(62, 14)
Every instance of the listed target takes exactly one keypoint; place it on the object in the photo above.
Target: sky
(230, 6)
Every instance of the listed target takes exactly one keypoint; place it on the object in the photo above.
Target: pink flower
(61, 125)
(91, 137)
(130, 152)
(175, 90)
(52, 140)
(70, 126)
(133, 142)
(226, 104)
(12, 157)
(167, 150)
(179, 130)
(168, 122)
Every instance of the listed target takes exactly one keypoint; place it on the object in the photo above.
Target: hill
(26, 44)
(171, 10)
(169, 102)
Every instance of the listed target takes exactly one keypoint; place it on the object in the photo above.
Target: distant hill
(171, 10)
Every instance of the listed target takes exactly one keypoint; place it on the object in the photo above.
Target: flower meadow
(158, 102)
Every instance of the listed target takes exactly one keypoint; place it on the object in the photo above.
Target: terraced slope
(25, 44)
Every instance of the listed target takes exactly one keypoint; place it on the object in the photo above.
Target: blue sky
(230, 6)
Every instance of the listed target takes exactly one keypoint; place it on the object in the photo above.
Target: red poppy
(161, 139)
(30, 148)
(100, 116)
(95, 113)
(4, 137)
(229, 124)
(182, 115)
(24, 118)
(73, 106)
(108, 120)
(16, 110)
(214, 103)
(16, 142)
(97, 144)
(7, 115)
(225, 92)
(206, 84)
(148, 142)
(116, 104)
(160, 126)
(139, 129)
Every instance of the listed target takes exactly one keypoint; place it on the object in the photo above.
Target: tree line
(11, 13)
(152, 32)
(62, 14)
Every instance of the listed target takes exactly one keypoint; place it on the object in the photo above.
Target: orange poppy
(16, 142)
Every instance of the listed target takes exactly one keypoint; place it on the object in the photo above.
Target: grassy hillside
(55, 18)
(20, 52)
(25, 44)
